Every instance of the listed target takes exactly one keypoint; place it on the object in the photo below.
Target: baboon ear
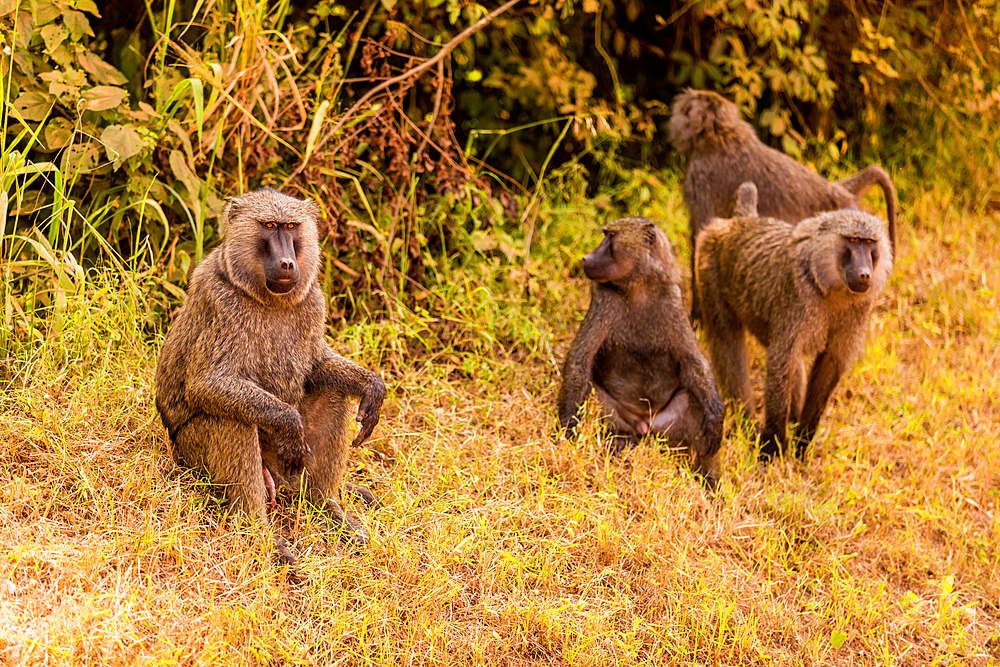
(231, 209)
(313, 208)
(649, 230)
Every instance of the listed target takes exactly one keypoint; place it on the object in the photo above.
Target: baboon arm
(334, 371)
(578, 370)
(236, 398)
(826, 372)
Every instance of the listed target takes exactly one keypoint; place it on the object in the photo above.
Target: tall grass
(501, 544)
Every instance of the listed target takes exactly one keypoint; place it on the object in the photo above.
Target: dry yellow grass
(502, 546)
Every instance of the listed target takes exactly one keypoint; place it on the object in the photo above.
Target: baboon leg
(798, 390)
(230, 452)
(682, 422)
(325, 419)
(732, 368)
(777, 400)
(695, 301)
(826, 372)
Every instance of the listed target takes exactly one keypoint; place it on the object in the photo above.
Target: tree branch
(416, 71)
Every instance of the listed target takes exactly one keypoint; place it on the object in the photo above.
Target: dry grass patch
(501, 545)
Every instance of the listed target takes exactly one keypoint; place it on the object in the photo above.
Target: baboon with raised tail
(724, 151)
(805, 292)
(246, 384)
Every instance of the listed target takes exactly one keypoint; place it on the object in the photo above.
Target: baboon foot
(619, 444)
(707, 475)
(367, 497)
(349, 529)
(770, 449)
(285, 555)
(800, 449)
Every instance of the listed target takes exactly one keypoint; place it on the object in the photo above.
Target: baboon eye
(270, 225)
(869, 241)
(854, 239)
(289, 225)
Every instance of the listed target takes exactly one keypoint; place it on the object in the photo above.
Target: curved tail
(858, 183)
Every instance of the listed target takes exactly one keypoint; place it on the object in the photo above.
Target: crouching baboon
(246, 385)
(637, 350)
(723, 151)
(803, 291)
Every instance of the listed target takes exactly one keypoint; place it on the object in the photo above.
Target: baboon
(723, 151)
(803, 291)
(246, 385)
(637, 350)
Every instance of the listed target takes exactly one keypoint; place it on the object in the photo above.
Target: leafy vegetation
(457, 201)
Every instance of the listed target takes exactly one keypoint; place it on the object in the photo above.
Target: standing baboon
(802, 291)
(246, 385)
(637, 350)
(724, 151)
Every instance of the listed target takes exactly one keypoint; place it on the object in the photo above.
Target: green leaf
(33, 106)
(100, 70)
(102, 98)
(121, 142)
(837, 638)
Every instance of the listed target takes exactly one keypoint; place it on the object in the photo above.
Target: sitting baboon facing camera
(637, 350)
(803, 291)
(246, 385)
(724, 151)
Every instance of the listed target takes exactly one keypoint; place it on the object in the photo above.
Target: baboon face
(272, 244)
(278, 246)
(626, 242)
(603, 265)
(858, 257)
(851, 251)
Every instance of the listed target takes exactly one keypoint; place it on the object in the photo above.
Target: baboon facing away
(637, 350)
(246, 385)
(803, 291)
(723, 151)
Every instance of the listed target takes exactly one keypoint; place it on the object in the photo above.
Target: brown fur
(787, 287)
(724, 151)
(636, 349)
(246, 381)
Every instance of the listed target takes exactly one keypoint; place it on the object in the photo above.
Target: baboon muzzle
(281, 271)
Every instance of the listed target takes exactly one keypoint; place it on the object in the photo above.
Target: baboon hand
(369, 408)
(711, 425)
(292, 448)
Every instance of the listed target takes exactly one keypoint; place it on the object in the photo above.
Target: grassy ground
(500, 545)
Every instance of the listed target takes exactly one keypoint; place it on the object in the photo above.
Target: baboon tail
(857, 184)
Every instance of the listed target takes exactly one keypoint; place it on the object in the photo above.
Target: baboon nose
(287, 264)
(861, 282)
